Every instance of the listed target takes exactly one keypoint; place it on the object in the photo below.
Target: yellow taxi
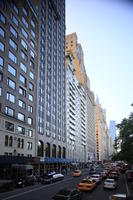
(87, 185)
(77, 173)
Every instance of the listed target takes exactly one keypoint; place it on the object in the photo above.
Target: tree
(125, 139)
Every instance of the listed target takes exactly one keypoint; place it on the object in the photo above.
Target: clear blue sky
(105, 31)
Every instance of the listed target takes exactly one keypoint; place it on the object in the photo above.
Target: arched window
(10, 141)
(47, 150)
(54, 151)
(59, 151)
(64, 152)
(40, 148)
(22, 143)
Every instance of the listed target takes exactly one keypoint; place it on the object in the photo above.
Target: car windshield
(110, 181)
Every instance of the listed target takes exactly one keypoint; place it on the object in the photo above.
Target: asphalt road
(46, 192)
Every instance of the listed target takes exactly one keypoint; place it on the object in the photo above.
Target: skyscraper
(112, 129)
(18, 78)
(51, 90)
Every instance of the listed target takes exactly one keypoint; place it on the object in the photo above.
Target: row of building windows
(21, 130)
(20, 116)
(20, 142)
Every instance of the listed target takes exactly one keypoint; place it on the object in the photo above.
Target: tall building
(112, 129)
(102, 134)
(52, 84)
(75, 48)
(76, 115)
(18, 78)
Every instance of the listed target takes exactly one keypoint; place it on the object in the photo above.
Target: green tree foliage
(125, 140)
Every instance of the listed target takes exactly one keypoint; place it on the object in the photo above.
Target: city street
(46, 192)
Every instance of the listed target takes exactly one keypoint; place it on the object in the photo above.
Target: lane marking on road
(128, 193)
(32, 190)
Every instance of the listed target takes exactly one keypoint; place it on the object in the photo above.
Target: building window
(20, 143)
(24, 11)
(21, 130)
(22, 91)
(2, 32)
(2, 47)
(21, 104)
(32, 23)
(21, 117)
(32, 33)
(25, 34)
(24, 44)
(1, 62)
(0, 91)
(30, 133)
(1, 76)
(14, 32)
(12, 57)
(9, 126)
(32, 64)
(31, 75)
(23, 67)
(13, 44)
(32, 54)
(6, 140)
(14, 20)
(11, 70)
(9, 111)
(30, 97)
(10, 141)
(30, 120)
(22, 79)
(2, 18)
(10, 97)
(15, 8)
(11, 83)
(31, 86)
(23, 55)
(30, 109)
(25, 22)
(29, 145)
(32, 44)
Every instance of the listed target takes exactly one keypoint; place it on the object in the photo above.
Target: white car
(96, 177)
(58, 177)
(110, 183)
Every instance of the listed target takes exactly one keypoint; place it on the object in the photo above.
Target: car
(87, 185)
(103, 174)
(77, 173)
(25, 181)
(130, 176)
(52, 177)
(113, 174)
(110, 184)
(96, 177)
(120, 197)
(68, 194)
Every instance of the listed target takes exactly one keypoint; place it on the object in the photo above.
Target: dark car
(50, 178)
(68, 194)
(25, 181)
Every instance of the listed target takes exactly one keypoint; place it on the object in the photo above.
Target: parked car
(50, 178)
(77, 173)
(25, 181)
(120, 197)
(110, 184)
(68, 194)
(87, 185)
(130, 176)
(96, 177)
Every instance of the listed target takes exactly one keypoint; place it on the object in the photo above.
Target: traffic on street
(105, 182)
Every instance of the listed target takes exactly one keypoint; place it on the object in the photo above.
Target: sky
(105, 30)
